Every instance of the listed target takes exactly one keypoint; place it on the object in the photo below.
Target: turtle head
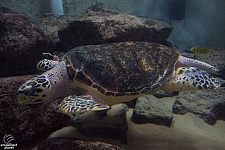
(34, 91)
(52, 84)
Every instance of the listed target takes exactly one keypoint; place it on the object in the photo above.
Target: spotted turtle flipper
(77, 104)
(48, 63)
(190, 78)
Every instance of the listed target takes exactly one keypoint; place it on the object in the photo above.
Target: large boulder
(208, 105)
(100, 25)
(110, 124)
(21, 44)
(74, 144)
(149, 109)
(51, 23)
(5, 10)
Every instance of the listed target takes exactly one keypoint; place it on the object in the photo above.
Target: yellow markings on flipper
(178, 84)
(78, 104)
(190, 78)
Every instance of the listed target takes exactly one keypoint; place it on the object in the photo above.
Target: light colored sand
(187, 133)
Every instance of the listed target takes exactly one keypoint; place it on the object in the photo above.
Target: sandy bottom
(187, 133)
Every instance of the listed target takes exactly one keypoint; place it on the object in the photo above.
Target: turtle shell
(121, 69)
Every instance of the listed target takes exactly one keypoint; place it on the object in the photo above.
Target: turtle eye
(19, 92)
(29, 90)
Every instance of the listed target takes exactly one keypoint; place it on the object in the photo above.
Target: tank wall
(34, 9)
(203, 24)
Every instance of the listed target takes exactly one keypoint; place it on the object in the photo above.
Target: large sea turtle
(114, 73)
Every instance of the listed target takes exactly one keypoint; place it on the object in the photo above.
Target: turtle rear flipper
(190, 78)
(78, 104)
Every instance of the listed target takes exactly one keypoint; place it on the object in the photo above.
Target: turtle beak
(22, 98)
(26, 93)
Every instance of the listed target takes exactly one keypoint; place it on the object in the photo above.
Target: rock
(5, 10)
(222, 82)
(131, 104)
(74, 144)
(51, 23)
(100, 9)
(161, 93)
(22, 43)
(100, 26)
(150, 110)
(208, 105)
(27, 122)
(110, 124)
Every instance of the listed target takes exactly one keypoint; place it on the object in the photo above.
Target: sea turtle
(113, 73)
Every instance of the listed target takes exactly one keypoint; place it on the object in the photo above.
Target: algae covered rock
(208, 105)
(74, 144)
(149, 109)
(109, 124)
(22, 43)
(101, 25)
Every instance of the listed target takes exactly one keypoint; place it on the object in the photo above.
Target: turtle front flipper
(78, 104)
(46, 64)
(49, 63)
(50, 56)
(190, 78)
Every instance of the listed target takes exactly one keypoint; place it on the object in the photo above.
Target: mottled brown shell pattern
(118, 69)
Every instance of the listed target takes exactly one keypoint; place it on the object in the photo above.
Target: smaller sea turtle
(114, 73)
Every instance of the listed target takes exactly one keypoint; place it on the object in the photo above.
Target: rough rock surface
(22, 43)
(149, 109)
(51, 23)
(5, 10)
(161, 93)
(74, 144)
(101, 25)
(208, 105)
(110, 124)
(27, 122)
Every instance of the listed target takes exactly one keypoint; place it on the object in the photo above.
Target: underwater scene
(109, 74)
